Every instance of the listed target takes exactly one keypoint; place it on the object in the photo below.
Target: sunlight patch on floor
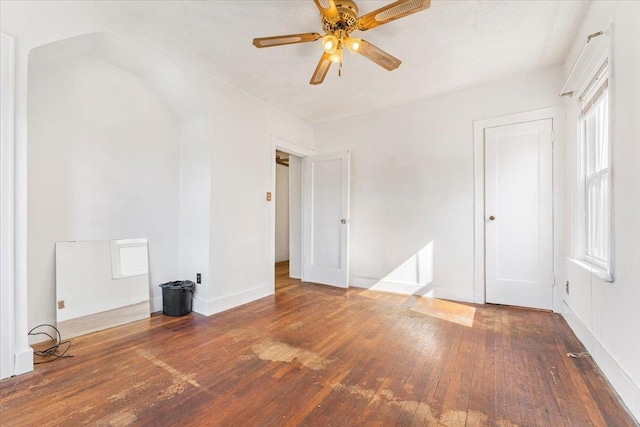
(446, 310)
(396, 299)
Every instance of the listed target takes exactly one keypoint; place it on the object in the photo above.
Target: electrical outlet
(566, 287)
(268, 196)
(198, 278)
(60, 305)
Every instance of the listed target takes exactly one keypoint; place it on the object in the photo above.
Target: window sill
(596, 271)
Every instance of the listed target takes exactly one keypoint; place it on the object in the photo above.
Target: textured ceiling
(451, 45)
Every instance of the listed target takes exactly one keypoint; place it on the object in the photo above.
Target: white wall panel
(412, 179)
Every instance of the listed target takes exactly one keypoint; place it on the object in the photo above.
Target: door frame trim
(7, 210)
(279, 144)
(556, 114)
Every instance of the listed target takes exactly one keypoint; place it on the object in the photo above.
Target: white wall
(195, 202)
(412, 180)
(242, 161)
(282, 213)
(225, 189)
(605, 316)
(103, 164)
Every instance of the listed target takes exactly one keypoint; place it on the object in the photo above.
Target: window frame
(593, 179)
(597, 91)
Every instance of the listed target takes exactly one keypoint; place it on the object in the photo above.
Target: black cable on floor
(56, 351)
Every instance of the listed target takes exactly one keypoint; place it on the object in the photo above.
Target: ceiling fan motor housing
(347, 17)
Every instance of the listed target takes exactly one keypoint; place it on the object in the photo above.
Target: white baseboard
(386, 286)
(629, 391)
(454, 294)
(23, 361)
(362, 282)
(156, 304)
(295, 273)
(209, 307)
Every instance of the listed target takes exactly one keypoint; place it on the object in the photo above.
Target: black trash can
(177, 297)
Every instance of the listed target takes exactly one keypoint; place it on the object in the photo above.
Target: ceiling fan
(339, 19)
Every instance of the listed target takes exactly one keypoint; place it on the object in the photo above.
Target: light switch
(268, 196)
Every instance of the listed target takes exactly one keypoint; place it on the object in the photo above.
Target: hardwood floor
(313, 355)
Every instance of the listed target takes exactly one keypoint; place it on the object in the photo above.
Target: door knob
(491, 218)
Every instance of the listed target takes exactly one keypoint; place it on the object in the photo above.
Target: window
(595, 139)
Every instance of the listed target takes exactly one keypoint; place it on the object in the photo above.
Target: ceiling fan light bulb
(353, 44)
(329, 43)
(335, 57)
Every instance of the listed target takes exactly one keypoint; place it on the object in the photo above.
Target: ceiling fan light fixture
(353, 44)
(329, 43)
(339, 18)
(336, 57)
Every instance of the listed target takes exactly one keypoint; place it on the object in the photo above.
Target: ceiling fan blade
(378, 56)
(288, 39)
(391, 12)
(321, 69)
(330, 12)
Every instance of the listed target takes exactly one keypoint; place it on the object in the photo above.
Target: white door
(326, 219)
(519, 214)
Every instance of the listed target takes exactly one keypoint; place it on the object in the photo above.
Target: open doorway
(318, 214)
(288, 215)
(282, 232)
(286, 226)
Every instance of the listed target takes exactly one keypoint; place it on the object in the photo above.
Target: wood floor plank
(314, 355)
(530, 377)
(475, 405)
(415, 384)
(571, 404)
